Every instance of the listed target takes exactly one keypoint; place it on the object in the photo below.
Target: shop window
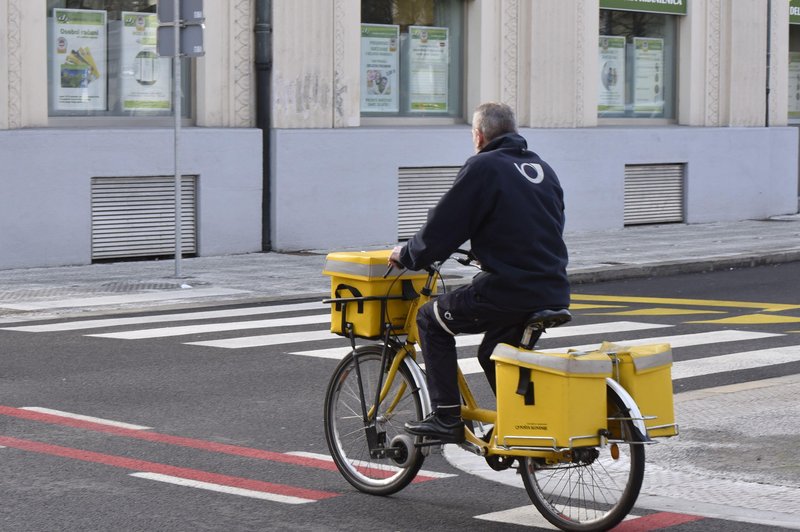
(794, 73)
(411, 57)
(637, 64)
(102, 60)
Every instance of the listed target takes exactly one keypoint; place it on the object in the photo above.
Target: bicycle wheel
(598, 487)
(344, 425)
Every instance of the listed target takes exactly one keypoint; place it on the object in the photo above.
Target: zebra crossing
(737, 337)
(269, 323)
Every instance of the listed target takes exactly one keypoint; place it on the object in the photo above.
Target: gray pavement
(594, 256)
(751, 475)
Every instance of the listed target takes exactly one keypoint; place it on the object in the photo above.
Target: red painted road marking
(163, 469)
(193, 443)
(655, 522)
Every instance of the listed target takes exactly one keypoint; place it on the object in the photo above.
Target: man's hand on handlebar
(394, 258)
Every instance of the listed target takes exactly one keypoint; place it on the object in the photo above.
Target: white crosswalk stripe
(165, 318)
(471, 365)
(683, 340)
(468, 340)
(735, 361)
(268, 339)
(163, 332)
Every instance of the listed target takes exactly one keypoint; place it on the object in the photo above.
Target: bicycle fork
(376, 439)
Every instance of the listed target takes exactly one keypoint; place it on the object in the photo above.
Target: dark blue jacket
(509, 204)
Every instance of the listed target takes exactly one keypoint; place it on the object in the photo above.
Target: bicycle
(590, 484)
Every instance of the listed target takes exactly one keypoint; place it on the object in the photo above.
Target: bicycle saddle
(541, 320)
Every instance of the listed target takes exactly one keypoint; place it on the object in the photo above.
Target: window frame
(117, 117)
(675, 85)
(404, 117)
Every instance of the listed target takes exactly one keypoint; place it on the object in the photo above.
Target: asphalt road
(239, 422)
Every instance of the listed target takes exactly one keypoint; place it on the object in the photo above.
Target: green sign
(666, 7)
(794, 11)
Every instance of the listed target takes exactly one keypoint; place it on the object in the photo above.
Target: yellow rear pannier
(550, 400)
(367, 300)
(645, 372)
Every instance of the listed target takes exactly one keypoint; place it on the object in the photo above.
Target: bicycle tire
(344, 426)
(596, 494)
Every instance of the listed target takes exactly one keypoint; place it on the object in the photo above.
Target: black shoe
(448, 429)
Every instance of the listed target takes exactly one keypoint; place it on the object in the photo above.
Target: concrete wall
(45, 209)
(338, 188)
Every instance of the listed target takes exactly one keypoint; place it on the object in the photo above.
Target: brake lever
(467, 259)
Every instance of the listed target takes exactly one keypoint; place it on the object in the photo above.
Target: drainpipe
(769, 56)
(263, 56)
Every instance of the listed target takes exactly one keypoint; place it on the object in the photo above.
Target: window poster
(145, 78)
(648, 76)
(794, 84)
(380, 44)
(612, 75)
(78, 62)
(429, 60)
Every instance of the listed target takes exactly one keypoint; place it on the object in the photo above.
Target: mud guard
(419, 379)
(633, 409)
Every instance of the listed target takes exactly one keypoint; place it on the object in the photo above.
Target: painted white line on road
(373, 465)
(468, 340)
(242, 492)
(269, 339)
(163, 332)
(81, 417)
(335, 353)
(736, 362)
(470, 365)
(525, 516)
(165, 318)
(575, 330)
(681, 340)
(123, 299)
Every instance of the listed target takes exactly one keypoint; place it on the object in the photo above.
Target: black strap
(353, 290)
(525, 386)
(343, 307)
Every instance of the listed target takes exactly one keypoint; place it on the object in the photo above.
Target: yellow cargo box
(645, 372)
(375, 300)
(550, 400)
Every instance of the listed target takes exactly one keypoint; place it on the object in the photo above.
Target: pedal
(472, 448)
(429, 443)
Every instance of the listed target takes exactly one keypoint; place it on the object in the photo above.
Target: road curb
(710, 264)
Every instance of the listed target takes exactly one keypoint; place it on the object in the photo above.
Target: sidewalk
(594, 256)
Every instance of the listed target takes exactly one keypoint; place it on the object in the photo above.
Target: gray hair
(494, 119)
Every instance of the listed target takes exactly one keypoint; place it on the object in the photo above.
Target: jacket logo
(526, 169)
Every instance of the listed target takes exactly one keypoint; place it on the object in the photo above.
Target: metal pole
(769, 58)
(263, 60)
(176, 98)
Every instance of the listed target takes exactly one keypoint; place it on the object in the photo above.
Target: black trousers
(452, 313)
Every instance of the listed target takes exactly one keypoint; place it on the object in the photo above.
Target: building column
(4, 68)
(23, 70)
(225, 74)
(561, 83)
(723, 64)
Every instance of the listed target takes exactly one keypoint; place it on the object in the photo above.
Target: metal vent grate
(419, 190)
(135, 216)
(654, 193)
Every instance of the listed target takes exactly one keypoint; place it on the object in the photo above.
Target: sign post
(180, 34)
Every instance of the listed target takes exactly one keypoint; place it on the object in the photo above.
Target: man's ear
(480, 140)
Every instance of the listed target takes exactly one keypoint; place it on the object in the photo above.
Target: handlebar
(467, 259)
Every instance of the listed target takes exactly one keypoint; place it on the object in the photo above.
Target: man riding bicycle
(509, 204)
